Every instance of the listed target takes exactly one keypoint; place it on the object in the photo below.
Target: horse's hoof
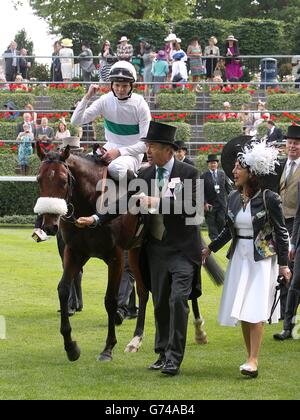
(73, 352)
(104, 357)
(134, 345)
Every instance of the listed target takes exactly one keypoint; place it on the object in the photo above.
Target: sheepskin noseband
(48, 205)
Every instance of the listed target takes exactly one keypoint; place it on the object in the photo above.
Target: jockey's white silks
(49, 205)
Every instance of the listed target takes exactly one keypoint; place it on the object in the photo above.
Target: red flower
(14, 148)
(1, 144)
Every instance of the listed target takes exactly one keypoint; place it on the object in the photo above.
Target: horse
(68, 190)
(68, 184)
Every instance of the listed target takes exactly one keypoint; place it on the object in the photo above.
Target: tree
(24, 42)
(56, 13)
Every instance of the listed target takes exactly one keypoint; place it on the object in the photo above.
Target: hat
(226, 103)
(230, 152)
(178, 40)
(293, 132)
(161, 133)
(171, 37)
(253, 154)
(181, 144)
(73, 142)
(66, 42)
(161, 55)
(123, 38)
(212, 158)
(231, 38)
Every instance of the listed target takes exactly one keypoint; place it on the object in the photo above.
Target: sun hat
(66, 42)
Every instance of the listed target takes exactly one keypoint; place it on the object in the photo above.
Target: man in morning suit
(171, 250)
(181, 153)
(216, 185)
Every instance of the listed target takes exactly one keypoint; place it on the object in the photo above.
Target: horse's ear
(65, 154)
(40, 151)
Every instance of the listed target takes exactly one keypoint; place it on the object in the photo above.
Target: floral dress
(25, 150)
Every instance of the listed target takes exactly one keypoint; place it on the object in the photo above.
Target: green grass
(33, 364)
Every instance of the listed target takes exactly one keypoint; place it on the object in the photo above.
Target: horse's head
(55, 185)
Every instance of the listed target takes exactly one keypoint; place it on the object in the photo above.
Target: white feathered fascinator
(260, 158)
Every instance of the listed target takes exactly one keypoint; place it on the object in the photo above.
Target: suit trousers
(293, 297)
(215, 220)
(285, 289)
(171, 284)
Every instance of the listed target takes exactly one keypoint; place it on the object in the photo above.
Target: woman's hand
(205, 253)
(286, 273)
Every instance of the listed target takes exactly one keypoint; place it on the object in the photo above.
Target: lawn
(33, 364)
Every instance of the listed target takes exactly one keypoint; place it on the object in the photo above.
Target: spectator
(211, 52)
(274, 134)
(160, 70)
(45, 133)
(194, 53)
(107, 58)
(251, 275)
(86, 62)
(234, 70)
(179, 70)
(56, 64)
(227, 114)
(24, 64)
(66, 55)
(147, 62)
(25, 150)
(169, 46)
(293, 297)
(137, 60)
(30, 110)
(124, 49)
(247, 119)
(216, 189)
(11, 62)
(289, 192)
(177, 49)
(27, 118)
(260, 116)
(181, 153)
(296, 70)
(20, 82)
(62, 131)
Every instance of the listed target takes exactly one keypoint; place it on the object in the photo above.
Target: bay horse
(68, 190)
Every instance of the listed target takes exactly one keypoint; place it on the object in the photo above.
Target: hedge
(17, 219)
(18, 198)
(282, 101)
(183, 131)
(153, 31)
(180, 101)
(236, 100)
(64, 101)
(252, 33)
(216, 131)
(9, 163)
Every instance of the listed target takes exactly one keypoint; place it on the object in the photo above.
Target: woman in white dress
(67, 59)
(255, 260)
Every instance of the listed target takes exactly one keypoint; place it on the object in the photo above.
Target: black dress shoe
(160, 362)
(284, 335)
(170, 368)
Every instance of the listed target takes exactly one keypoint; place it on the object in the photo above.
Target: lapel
(296, 174)
(176, 171)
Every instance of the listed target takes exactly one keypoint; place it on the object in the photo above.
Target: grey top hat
(73, 142)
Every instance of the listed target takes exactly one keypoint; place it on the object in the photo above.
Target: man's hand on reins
(83, 222)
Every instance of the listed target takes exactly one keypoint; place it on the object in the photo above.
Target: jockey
(126, 120)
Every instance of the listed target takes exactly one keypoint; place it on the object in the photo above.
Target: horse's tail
(213, 269)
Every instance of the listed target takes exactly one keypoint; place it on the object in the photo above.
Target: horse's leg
(72, 267)
(200, 334)
(115, 270)
(143, 295)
